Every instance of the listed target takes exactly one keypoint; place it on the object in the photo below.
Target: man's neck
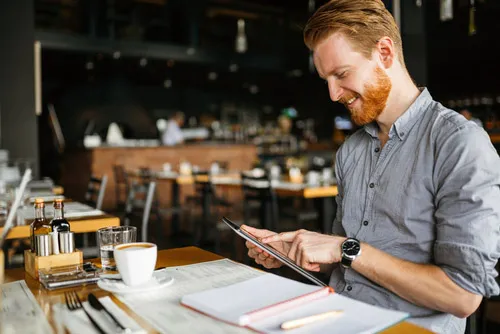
(403, 94)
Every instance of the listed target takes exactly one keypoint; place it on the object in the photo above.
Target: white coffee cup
(135, 262)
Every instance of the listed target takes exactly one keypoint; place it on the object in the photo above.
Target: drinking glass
(108, 238)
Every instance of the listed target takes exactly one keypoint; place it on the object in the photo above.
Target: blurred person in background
(173, 133)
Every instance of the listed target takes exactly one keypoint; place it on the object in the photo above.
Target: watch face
(350, 247)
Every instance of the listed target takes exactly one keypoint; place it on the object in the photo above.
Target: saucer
(159, 280)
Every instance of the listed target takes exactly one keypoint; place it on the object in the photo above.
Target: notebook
(264, 303)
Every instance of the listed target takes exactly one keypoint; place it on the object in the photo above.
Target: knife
(96, 304)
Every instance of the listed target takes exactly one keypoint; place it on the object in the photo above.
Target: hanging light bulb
(241, 38)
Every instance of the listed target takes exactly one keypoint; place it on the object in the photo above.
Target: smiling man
(418, 218)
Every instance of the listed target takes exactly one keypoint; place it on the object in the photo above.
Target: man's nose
(335, 91)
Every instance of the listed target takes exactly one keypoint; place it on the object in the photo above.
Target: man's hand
(258, 254)
(309, 249)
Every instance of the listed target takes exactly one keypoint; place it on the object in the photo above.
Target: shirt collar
(407, 119)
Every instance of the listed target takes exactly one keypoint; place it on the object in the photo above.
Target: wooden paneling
(100, 161)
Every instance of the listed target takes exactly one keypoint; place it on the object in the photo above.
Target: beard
(374, 99)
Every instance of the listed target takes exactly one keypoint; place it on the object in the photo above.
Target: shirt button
(377, 150)
(372, 185)
(365, 223)
(402, 134)
(349, 288)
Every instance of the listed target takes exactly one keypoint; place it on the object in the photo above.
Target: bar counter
(80, 164)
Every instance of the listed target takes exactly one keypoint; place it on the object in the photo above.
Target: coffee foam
(134, 247)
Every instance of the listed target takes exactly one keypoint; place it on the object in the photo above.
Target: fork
(74, 303)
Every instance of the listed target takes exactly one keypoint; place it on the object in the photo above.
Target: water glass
(109, 237)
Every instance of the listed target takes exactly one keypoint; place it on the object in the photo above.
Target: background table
(77, 225)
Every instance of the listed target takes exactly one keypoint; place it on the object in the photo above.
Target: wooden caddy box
(33, 263)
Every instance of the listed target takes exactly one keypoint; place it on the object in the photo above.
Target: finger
(304, 260)
(253, 247)
(252, 253)
(272, 263)
(315, 267)
(263, 257)
(292, 252)
(257, 232)
(299, 253)
(284, 236)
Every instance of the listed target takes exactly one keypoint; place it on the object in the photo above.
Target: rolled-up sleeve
(467, 180)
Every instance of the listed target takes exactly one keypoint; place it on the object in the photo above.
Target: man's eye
(342, 75)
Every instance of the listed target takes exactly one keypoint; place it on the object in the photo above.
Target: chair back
(146, 175)
(202, 183)
(95, 191)
(147, 210)
(141, 198)
(257, 188)
(121, 185)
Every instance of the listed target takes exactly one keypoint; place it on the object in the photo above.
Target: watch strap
(346, 262)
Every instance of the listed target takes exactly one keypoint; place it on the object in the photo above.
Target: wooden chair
(145, 200)
(141, 201)
(94, 197)
(96, 190)
(258, 194)
(121, 187)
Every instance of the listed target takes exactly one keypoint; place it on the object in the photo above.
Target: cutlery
(74, 303)
(96, 304)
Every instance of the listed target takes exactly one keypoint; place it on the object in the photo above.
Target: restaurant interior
(89, 91)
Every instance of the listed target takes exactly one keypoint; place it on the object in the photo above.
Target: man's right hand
(260, 256)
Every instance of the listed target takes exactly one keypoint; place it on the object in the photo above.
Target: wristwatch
(350, 248)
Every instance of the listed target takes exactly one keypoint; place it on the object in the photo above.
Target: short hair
(362, 22)
(179, 115)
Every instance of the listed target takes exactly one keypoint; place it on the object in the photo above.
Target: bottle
(59, 223)
(40, 225)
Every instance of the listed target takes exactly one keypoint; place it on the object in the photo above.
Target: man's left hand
(310, 249)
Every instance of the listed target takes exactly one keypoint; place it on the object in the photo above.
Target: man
(417, 225)
(173, 133)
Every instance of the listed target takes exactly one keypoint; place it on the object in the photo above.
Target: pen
(307, 320)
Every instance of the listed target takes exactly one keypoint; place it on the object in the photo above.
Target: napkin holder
(33, 263)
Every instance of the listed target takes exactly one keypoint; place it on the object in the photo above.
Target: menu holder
(33, 263)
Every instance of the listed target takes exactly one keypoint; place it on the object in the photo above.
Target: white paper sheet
(358, 318)
(19, 310)
(230, 303)
(162, 308)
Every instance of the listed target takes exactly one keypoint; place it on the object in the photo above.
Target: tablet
(282, 258)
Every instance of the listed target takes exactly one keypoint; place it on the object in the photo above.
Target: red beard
(373, 100)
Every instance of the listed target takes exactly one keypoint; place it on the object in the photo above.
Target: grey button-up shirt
(430, 195)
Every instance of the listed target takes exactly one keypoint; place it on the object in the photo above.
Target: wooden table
(166, 258)
(322, 195)
(78, 225)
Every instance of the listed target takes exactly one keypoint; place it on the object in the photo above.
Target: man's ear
(386, 51)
